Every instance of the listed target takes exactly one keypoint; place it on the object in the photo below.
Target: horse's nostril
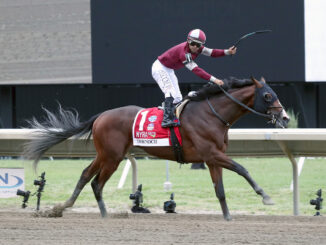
(286, 119)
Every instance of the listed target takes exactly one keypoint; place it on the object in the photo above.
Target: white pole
(300, 166)
(124, 174)
(167, 184)
(294, 163)
(134, 172)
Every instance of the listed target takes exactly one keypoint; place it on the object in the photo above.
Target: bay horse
(205, 122)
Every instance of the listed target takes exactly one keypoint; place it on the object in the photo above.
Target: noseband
(272, 117)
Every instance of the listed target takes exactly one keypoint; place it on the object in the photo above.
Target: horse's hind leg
(216, 174)
(236, 167)
(85, 177)
(99, 181)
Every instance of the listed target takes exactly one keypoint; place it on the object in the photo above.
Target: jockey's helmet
(197, 35)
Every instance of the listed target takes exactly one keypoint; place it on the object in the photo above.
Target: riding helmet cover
(197, 35)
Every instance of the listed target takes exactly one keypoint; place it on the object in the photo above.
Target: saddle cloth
(147, 130)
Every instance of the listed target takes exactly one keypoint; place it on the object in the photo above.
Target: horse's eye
(268, 97)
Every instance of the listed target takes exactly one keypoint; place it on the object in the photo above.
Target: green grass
(193, 188)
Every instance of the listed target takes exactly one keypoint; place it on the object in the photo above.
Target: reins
(244, 106)
(272, 117)
(216, 114)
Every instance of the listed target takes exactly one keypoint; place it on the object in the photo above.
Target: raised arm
(192, 66)
(218, 52)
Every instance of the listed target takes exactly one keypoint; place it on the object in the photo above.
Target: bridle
(273, 118)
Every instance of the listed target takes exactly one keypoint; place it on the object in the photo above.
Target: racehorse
(205, 122)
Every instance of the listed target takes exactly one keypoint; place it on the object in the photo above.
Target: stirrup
(177, 122)
(169, 124)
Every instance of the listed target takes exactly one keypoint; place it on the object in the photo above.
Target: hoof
(268, 201)
(104, 214)
(228, 217)
(57, 211)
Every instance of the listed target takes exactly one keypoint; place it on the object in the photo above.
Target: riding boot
(169, 119)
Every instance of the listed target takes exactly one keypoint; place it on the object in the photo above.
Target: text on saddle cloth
(147, 130)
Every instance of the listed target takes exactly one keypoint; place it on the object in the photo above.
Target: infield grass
(193, 188)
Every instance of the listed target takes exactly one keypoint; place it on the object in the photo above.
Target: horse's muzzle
(282, 120)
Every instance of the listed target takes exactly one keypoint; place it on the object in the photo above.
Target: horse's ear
(256, 82)
(263, 79)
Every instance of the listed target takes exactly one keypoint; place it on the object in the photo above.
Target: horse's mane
(211, 89)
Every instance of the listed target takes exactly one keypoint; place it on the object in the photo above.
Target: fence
(242, 143)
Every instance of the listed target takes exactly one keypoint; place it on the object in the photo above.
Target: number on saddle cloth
(147, 131)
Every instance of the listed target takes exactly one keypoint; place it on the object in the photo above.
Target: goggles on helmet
(194, 43)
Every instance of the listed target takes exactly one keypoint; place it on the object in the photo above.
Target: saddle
(179, 108)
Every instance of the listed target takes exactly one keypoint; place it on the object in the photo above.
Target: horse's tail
(54, 129)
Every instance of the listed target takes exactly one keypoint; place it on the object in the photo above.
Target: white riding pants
(167, 81)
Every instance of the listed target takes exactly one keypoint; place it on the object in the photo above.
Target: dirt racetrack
(127, 228)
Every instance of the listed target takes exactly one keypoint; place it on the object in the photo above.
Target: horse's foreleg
(236, 167)
(216, 174)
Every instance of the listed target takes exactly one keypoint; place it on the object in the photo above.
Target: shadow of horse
(205, 122)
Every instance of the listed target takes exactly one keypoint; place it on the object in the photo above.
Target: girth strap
(177, 148)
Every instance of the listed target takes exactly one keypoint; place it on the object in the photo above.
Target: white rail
(242, 142)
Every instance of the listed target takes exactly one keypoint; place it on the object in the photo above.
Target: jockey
(177, 57)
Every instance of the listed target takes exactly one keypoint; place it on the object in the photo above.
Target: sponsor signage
(11, 179)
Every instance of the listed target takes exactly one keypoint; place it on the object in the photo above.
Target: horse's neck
(230, 110)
